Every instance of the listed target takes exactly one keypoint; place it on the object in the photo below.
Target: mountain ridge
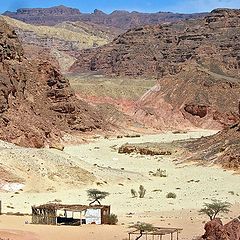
(119, 18)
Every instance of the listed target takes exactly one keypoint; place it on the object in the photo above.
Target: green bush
(112, 219)
(171, 195)
(160, 173)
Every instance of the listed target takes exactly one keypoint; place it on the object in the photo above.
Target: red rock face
(36, 101)
(233, 229)
(118, 19)
(215, 230)
(196, 64)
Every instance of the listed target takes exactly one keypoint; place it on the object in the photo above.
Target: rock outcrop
(118, 19)
(37, 103)
(222, 148)
(144, 149)
(196, 64)
(215, 230)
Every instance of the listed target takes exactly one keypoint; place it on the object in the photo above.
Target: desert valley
(140, 109)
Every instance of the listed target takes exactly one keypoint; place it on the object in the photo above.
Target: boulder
(215, 230)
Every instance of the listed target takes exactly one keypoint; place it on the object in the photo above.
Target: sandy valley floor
(65, 176)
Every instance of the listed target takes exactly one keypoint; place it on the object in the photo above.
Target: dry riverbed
(118, 174)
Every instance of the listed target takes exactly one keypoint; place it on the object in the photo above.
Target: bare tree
(96, 195)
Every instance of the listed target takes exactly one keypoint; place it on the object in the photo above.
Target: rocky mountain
(65, 39)
(118, 19)
(196, 64)
(164, 49)
(37, 104)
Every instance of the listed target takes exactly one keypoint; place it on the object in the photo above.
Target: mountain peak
(119, 12)
(99, 12)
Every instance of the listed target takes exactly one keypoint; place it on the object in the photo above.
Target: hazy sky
(184, 6)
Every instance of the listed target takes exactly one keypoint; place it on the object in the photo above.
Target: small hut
(59, 214)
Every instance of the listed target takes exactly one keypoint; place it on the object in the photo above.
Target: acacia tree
(214, 208)
(96, 195)
(143, 227)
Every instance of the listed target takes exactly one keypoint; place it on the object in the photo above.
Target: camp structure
(59, 214)
(158, 233)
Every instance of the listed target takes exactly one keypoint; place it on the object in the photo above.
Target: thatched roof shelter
(157, 233)
(54, 214)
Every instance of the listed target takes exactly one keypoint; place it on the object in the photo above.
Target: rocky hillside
(164, 49)
(118, 19)
(223, 148)
(64, 39)
(196, 63)
(36, 102)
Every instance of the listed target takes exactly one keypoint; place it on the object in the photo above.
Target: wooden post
(171, 236)
(177, 234)
(0, 207)
(129, 236)
(56, 218)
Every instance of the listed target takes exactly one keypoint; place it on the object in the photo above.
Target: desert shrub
(99, 183)
(134, 193)
(112, 219)
(160, 173)
(157, 190)
(142, 191)
(214, 208)
(171, 195)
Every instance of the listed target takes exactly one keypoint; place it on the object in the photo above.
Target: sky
(181, 6)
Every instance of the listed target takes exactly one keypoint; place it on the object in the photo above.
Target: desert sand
(55, 176)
